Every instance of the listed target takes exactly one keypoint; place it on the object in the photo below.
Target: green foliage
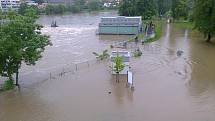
(138, 37)
(8, 85)
(158, 32)
(144, 8)
(21, 41)
(163, 6)
(94, 5)
(185, 24)
(23, 7)
(149, 8)
(204, 17)
(168, 14)
(137, 53)
(104, 55)
(119, 66)
(74, 9)
(131, 40)
(80, 4)
(55, 9)
(127, 8)
(180, 9)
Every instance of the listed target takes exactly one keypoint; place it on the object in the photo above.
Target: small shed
(120, 25)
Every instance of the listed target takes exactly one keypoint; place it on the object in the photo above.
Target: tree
(94, 5)
(102, 56)
(163, 6)
(119, 66)
(22, 8)
(74, 8)
(1, 16)
(204, 17)
(60, 9)
(21, 42)
(55, 9)
(146, 9)
(127, 8)
(180, 9)
(80, 4)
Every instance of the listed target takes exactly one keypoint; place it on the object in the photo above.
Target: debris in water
(180, 52)
(109, 92)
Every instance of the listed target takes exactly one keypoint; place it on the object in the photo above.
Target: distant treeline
(76, 7)
(178, 9)
(200, 12)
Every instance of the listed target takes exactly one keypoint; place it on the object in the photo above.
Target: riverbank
(158, 32)
(158, 28)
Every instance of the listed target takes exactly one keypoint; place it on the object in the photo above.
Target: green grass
(137, 54)
(184, 24)
(140, 36)
(158, 32)
(131, 40)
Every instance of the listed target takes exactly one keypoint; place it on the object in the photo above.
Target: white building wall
(10, 4)
(0, 5)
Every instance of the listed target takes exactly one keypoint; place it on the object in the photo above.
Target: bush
(137, 53)
(74, 8)
(94, 5)
(8, 85)
(55, 9)
(158, 32)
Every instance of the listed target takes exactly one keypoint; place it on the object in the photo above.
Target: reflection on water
(167, 87)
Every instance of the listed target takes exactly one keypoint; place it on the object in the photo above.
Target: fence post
(88, 64)
(63, 71)
(132, 86)
(127, 84)
(76, 67)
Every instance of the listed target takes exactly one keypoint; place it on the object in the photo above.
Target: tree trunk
(117, 77)
(17, 77)
(209, 37)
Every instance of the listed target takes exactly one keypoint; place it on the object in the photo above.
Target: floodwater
(168, 87)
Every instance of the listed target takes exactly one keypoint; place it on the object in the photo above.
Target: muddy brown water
(168, 87)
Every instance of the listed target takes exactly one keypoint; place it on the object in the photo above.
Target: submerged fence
(55, 72)
(41, 75)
